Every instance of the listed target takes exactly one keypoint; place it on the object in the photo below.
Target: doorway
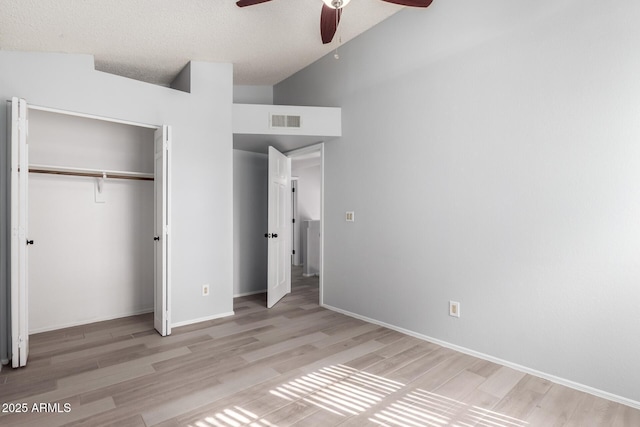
(307, 170)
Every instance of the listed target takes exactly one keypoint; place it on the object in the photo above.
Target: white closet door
(19, 223)
(279, 233)
(162, 288)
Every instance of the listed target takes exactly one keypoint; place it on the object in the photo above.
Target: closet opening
(94, 222)
(92, 257)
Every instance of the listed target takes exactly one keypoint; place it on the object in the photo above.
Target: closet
(96, 234)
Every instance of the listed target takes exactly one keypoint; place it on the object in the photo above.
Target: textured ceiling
(152, 40)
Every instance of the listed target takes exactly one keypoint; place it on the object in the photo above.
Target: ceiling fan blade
(329, 19)
(411, 3)
(243, 3)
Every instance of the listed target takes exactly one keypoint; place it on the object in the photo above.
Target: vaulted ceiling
(152, 40)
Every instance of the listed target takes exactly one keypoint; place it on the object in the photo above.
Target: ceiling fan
(332, 9)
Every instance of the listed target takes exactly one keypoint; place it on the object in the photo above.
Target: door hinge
(293, 189)
(294, 252)
(293, 220)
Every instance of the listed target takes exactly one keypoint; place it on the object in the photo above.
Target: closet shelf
(94, 173)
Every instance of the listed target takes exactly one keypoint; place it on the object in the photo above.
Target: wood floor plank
(243, 398)
(195, 400)
(524, 397)
(443, 372)
(281, 346)
(627, 417)
(502, 381)
(345, 333)
(593, 411)
(296, 364)
(557, 406)
(95, 351)
(289, 415)
(419, 366)
(337, 357)
(405, 343)
(460, 386)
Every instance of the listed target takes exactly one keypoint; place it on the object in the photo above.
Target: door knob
(156, 238)
(29, 242)
(274, 235)
(267, 235)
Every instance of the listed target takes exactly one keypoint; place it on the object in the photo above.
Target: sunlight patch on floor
(338, 389)
(233, 417)
(347, 392)
(423, 408)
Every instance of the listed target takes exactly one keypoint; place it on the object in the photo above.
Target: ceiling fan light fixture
(336, 4)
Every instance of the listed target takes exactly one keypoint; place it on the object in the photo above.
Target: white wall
(254, 119)
(250, 207)
(309, 179)
(91, 261)
(308, 193)
(490, 153)
(201, 176)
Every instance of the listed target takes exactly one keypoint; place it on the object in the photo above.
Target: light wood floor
(296, 364)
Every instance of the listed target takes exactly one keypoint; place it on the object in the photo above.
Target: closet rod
(93, 173)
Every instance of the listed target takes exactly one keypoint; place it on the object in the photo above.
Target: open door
(19, 242)
(279, 233)
(162, 283)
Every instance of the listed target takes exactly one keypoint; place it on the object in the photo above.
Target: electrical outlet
(454, 308)
(205, 290)
(350, 216)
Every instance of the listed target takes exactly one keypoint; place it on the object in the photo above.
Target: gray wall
(202, 205)
(250, 207)
(490, 153)
(259, 94)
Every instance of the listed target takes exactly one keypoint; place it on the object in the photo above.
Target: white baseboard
(558, 380)
(246, 294)
(92, 320)
(202, 319)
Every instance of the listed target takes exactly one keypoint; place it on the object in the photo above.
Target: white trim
(168, 147)
(303, 151)
(202, 319)
(92, 320)
(92, 116)
(246, 294)
(558, 380)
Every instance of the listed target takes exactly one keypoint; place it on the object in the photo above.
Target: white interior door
(19, 218)
(162, 282)
(279, 232)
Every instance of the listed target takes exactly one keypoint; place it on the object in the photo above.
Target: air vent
(284, 121)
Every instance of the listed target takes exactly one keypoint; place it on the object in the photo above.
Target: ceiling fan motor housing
(336, 4)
